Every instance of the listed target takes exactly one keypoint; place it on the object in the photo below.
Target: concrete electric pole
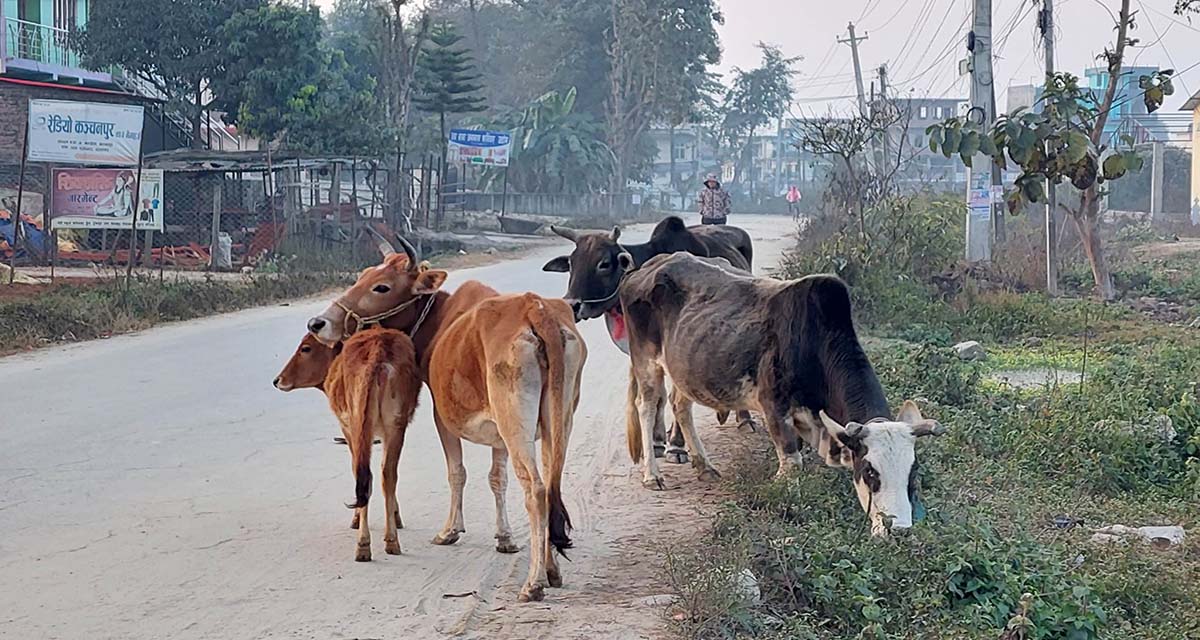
(1046, 25)
(883, 101)
(853, 42)
(983, 175)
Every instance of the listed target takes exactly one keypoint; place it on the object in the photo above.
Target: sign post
(16, 221)
(475, 146)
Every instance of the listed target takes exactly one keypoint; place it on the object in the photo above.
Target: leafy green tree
(176, 48)
(1064, 142)
(271, 84)
(754, 99)
(556, 149)
(658, 52)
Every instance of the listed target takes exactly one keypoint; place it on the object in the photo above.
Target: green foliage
(555, 148)
(177, 49)
(446, 81)
(270, 84)
(1058, 144)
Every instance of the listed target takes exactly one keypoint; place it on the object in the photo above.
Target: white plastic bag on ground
(223, 252)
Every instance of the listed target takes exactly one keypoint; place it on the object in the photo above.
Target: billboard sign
(103, 199)
(474, 146)
(84, 133)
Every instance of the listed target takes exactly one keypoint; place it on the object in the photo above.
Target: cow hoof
(391, 547)
(363, 553)
(506, 545)
(532, 593)
(748, 423)
(654, 484)
(722, 416)
(354, 521)
(444, 539)
(710, 475)
(399, 522)
(677, 456)
(659, 450)
(554, 578)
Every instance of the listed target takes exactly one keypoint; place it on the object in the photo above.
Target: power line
(918, 27)
(1163, 46)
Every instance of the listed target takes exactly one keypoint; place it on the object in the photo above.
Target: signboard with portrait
(103, 199)
(475, 146)
(84, 133)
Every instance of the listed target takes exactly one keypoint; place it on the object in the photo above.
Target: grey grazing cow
(731, 341)
(592, 289)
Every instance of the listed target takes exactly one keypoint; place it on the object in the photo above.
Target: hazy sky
(921, 41)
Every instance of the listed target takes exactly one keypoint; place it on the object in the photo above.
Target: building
(1193, 105)
(925, 168)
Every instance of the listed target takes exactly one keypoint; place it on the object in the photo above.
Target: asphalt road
(155, 485)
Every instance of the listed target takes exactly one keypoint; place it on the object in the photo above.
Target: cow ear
(561, 264)
(616, 234)
(928, 428)
(428, 281)
(625, 261)
(910, 413)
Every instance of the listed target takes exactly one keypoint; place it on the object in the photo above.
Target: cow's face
(596, 267)
(307, 367)
(390, 289)
(883, 458)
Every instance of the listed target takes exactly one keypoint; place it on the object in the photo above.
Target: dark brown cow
(729, 341)
(599, 262)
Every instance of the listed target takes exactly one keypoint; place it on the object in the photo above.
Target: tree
(276, 60)
(754, 99)
(555, 148)
(658, 52)
(446, 81)
(1063, 142)
(175, 49)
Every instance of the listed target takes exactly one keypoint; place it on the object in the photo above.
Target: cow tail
(550, 332)
(366, 414)
(633, 422)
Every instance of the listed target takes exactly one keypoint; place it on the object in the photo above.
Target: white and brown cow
(503, 370)
(731, 341)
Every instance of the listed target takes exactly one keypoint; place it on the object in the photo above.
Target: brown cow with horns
(503, 371)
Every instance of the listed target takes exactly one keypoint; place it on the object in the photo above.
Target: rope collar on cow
(616, 290)
(362, 322)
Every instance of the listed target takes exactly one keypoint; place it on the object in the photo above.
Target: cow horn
(616, 234)
(409, 251)
(569, 234)
(385, 247)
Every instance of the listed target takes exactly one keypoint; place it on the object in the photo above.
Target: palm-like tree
(555, 149)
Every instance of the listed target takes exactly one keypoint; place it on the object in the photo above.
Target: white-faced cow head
(882, 455)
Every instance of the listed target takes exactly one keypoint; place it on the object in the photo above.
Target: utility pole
(1046, 24)
(884, 104)
(1156, 180)
(853, 42)
(983, 175)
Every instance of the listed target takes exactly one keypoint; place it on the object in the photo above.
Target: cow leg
(362, 552)
(682, 406)
(745, 419)
(660, 430)
(650, 393)
(785, 437)
(498, 481)
(393, 443)
(516, 400)
(676, 453)
(456, 474)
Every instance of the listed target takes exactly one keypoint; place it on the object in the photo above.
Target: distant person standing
(714, 202)
(793, 200)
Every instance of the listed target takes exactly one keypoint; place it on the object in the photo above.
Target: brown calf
(503, 371)
(371, 381)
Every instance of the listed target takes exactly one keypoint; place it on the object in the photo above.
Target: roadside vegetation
(85, 309)
(1107, 432)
